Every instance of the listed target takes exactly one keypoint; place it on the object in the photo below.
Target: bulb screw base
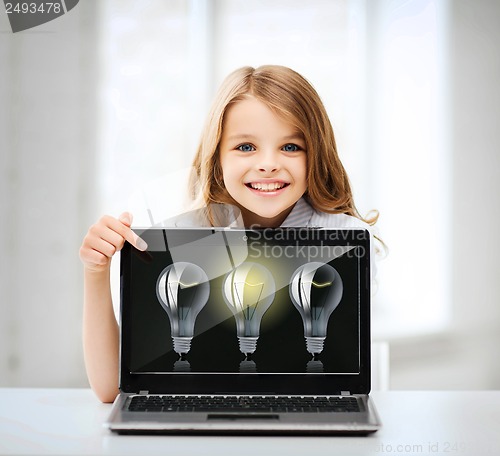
(182, 345)
(247, 344)
(315, 345)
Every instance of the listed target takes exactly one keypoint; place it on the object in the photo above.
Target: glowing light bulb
(249, 292)
(183, 290)
(315, 290)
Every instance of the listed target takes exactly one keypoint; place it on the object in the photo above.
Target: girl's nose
(268, 162)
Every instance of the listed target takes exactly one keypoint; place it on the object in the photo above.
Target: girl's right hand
(105, 238)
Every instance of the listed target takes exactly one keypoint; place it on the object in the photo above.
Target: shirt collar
(300, 215)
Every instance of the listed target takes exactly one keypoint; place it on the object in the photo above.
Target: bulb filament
(248, 309)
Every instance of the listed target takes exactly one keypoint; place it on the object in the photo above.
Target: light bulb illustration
(183, 290)
(249, 292)
(315, 290)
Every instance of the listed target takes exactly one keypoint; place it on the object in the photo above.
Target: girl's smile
(267, 187)
(263, 160)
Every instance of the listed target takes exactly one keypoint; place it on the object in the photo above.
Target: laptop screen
(232, 302)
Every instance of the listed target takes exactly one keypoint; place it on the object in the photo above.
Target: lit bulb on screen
(183, 290)
(249, 292)
(315, 290)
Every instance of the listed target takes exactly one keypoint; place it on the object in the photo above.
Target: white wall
(467, 357)
(47, 145)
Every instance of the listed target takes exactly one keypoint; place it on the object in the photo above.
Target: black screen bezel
(328, 384)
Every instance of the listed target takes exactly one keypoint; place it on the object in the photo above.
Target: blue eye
(290, 148)
(246, 148)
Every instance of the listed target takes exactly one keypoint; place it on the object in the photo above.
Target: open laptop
(245, 331)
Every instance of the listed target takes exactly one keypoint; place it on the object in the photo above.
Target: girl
(268, 149)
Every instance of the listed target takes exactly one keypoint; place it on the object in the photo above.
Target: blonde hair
(294, 99)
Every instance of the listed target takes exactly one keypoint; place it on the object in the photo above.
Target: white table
(69, 421)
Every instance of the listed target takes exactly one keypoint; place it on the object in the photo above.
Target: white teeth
(267, 187)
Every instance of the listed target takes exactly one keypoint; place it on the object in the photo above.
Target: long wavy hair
(293, 98)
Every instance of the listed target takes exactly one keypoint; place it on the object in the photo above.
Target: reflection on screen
(243, 302)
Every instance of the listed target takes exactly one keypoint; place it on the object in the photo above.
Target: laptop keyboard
(260, 404)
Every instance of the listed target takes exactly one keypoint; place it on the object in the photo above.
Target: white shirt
(302, 215)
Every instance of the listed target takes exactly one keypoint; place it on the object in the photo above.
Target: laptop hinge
(345, 393)
(144, 392)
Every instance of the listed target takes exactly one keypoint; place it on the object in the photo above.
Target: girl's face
(263, 160)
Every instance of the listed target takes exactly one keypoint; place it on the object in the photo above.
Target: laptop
(245, 331)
